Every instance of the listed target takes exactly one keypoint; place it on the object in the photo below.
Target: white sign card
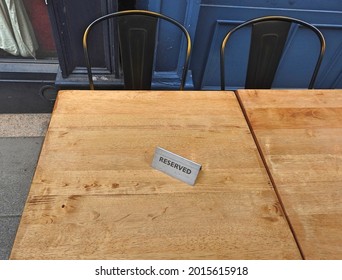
(176, 166)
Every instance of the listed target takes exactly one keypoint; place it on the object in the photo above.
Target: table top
(95, 196)
(300, 136)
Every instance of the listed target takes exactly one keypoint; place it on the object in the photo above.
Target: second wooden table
(300, 136)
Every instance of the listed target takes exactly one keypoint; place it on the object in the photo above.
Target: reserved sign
(176, 166)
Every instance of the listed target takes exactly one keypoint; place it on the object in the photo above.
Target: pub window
(25, 30)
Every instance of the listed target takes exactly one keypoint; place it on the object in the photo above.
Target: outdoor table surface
(300, 137)
(94, 194)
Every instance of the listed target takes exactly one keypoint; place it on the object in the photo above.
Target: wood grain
(300, 134)
(95, 196)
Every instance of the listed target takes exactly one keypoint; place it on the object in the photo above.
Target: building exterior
(58, 27)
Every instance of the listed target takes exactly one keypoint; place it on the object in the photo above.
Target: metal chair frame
(271, 20)
(142, 13)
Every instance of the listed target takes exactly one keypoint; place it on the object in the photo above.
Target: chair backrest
(137, 31)
(268, 38)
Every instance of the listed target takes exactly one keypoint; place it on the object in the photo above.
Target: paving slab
(24, 125)
(18, 160)
(8, 229)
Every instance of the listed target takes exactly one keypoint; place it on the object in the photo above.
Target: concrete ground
(24, 117)
(21, 138)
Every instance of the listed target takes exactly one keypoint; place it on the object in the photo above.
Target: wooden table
(300, 136)
(95, 196)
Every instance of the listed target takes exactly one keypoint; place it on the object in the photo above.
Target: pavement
(21, 138)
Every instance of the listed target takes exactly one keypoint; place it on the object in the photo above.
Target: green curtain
(16, 32)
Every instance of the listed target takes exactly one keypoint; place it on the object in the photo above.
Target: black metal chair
(268, 37)
(137, 32)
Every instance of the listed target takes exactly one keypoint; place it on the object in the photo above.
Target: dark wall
(126, 5)
(217, 17)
